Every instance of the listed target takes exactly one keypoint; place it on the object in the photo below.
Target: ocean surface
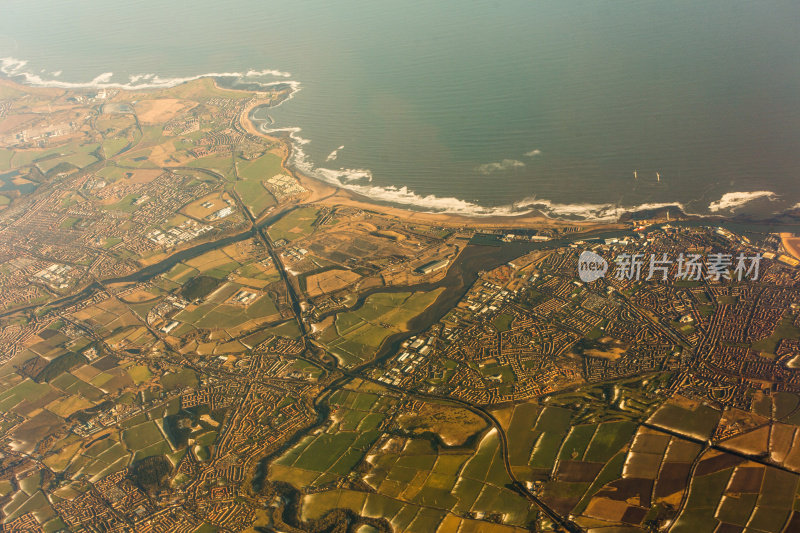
(473, 106)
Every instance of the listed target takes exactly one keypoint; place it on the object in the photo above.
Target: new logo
(591, 266)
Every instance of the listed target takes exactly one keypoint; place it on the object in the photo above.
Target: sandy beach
(791, 244)
(329, 195)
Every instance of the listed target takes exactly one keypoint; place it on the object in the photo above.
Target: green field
(361, 332)
(223, 164)
(183, 378)
(214, 313)
(503, 321)
(784, 330)
(142, 436)
(5, 158)
(704, 496)
(250, 185)
(608, 439)
(700, 422)
(79, 156)
(74, 152)
(112, 147)
(259, 169)
(139, 374)
(126, 205)
(338, 450)
(112, 173)
(520, 433)
(294, 225)
(576, 442)
(254, 195)
(26, 390)
(287, 329)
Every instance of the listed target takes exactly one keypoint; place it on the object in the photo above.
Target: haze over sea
(473, 106)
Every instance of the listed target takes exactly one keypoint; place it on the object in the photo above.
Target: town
(193, 337)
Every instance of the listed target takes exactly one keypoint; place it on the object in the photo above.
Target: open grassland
(206, 206)
(255, 274)
(218, 312)
(220, 163)
(161, 110)
(76, 153)
(360, 333)
(335, 452)
(453, 425)
(254, 196)
(294, 225)
(200, 89)
(261, 168)
(464, 480)
(784, 330)
(329, 281)
(107, 316)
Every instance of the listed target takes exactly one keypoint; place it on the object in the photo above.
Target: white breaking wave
(267, 72)
(333, 155)
(359, 180)
(13, 67)
(346, 175)
(734, 200)
(599, 212)
(134, 78)
(343, 177)
(499, 166)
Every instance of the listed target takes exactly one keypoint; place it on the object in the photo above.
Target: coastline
(791, 244)
(541, 214)
(324, 193)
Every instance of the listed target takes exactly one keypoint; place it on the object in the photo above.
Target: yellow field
(128, 336)
(295, 476)
(138, 296)
(85, 373)
(15, 122)
(64, 407)
(240, 251)
(330, 281)
(209, 260)
(164, 154)
(612, 354)
(109, 314)
(161, 110)
(217, 201)
(792, 244)
(62, 457)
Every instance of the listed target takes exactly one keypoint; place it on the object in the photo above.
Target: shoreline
(329, 195)
(791, 244)
(325, 193)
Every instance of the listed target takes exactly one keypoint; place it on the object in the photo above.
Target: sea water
(576, 108)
